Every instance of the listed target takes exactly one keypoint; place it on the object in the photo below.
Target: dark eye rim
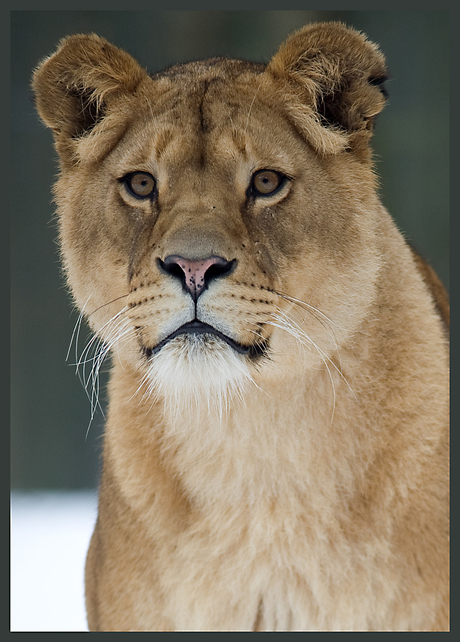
(126, 179)
(254, 192)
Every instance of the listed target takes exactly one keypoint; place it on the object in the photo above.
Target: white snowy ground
(50, 533)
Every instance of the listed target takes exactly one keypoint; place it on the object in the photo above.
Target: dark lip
(198, 327)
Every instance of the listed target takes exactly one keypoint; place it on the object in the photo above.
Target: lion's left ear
(331, 80)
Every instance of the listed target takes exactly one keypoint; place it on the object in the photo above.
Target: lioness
(275, 454)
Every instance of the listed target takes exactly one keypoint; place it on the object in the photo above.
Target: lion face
(208, 232)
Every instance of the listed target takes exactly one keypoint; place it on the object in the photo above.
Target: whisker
(284, 322)
(93, 379)
(76, 331)
(325, 321)
(319, 316)
(250, 110)
(116, 331)
(307, 306)
(303, 338)
(303, 333)
(123, 296)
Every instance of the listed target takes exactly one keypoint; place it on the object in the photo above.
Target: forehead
(195, 110)
(205, 92)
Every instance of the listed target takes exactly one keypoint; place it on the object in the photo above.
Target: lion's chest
(248, 575)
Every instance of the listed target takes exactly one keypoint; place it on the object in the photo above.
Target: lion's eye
(140, 184)
(266, 181)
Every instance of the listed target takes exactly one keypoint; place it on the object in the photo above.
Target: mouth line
(198, 327)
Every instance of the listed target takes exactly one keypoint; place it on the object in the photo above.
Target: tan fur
(302, 486)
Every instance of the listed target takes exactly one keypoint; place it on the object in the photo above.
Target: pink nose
(197, 274)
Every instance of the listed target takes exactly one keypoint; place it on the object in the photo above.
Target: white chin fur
(196, 372)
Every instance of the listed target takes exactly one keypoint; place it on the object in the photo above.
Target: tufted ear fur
(331, 80)
(76, 87)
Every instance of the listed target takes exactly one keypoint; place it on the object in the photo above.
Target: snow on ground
(50, 533)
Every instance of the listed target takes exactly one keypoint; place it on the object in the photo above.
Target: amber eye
(266, 181)
(140, 184)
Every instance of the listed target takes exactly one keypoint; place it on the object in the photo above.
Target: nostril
(221, 267)
(195, 275)
(170, 266)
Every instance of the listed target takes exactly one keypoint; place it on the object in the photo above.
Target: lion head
(218, 219)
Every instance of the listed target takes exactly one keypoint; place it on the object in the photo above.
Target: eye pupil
(266, 181)
(141, 184)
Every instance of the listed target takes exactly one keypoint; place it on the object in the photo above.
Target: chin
(197, 371)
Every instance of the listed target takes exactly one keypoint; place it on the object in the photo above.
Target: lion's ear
(76, 86)
(332, 79)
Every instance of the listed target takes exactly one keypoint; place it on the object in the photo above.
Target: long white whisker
(115, 332)
(298, 329)
(286, 323)
(117, 335)
(76, 331)
(301, 336)
(96, 337)
(307, 306)
(322, 318)
(75, 335)
(118, 298)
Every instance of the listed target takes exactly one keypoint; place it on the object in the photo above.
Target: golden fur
(286, 470)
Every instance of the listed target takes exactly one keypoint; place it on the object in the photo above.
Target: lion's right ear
(76, 87)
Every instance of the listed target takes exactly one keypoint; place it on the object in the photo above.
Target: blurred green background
(51, 446)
